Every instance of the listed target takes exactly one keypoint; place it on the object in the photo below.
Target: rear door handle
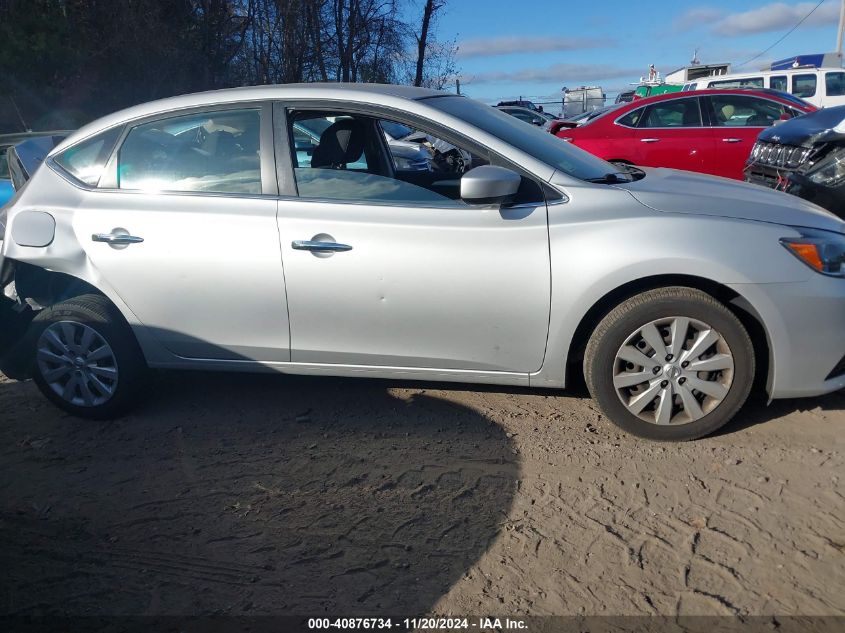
(649, 140)
(732, 140)
(116, 239)
(320, 247)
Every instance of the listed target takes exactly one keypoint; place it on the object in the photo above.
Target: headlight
(830, 171)
(823, 251)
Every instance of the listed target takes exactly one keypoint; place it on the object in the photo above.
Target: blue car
(38, 145)
(6, 188)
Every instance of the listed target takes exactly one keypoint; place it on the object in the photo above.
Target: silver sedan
(189, 233)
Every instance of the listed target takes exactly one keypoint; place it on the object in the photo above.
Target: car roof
(383, 94)
(761, 92)
(516, 107)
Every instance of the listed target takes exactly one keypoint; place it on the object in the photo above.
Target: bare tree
(89, 57)
(429, 13)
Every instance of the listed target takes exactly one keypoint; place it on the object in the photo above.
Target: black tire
(97, 313)
(642, 309)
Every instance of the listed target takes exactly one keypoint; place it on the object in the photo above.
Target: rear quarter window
(632, 118)
(86, 161)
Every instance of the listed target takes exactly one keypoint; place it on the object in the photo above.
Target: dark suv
(805, 157)
(522, 103)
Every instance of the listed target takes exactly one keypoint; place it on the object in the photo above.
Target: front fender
(597, 248)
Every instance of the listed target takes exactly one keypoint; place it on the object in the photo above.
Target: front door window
(341, 156)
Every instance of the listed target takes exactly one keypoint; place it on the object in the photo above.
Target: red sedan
(708, 131)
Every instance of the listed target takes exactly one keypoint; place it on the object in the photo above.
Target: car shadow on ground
(758, 410)
(259, 494)
(243, 494)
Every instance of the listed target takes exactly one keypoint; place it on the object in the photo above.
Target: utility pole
(841, 29)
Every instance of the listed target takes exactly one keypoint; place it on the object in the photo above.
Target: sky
(532, 48)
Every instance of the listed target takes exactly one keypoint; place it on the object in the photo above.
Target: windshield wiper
(612, 178)
(631, 174)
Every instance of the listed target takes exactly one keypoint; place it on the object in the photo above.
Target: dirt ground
(235, 494)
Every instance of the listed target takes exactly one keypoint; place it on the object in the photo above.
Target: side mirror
(489, 184)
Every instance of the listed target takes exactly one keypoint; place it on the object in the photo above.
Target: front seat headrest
(341, 143)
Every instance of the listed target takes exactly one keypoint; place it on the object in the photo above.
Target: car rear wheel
(86, 359)
(670, 364)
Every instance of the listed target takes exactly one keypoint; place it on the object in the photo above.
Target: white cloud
(490, 46)
(697, 17)
(557, 73)
(777, 16)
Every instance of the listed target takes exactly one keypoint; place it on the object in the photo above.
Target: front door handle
(117, 238)
(319, 247)
(649, 140)
(732, 140)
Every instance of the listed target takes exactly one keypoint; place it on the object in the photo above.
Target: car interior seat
(691, 118)
(341, 143)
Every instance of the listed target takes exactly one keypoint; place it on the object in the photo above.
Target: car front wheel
(670, 364)
(86, 359)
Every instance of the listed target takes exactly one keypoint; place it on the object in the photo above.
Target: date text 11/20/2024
(418, 624)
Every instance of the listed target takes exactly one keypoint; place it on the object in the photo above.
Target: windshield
(396, 130)
(592, 115)
(529, 139)
(791, 97)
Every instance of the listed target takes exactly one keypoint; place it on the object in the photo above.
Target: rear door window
(215, 152)
(745, 111)
(678, 113)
